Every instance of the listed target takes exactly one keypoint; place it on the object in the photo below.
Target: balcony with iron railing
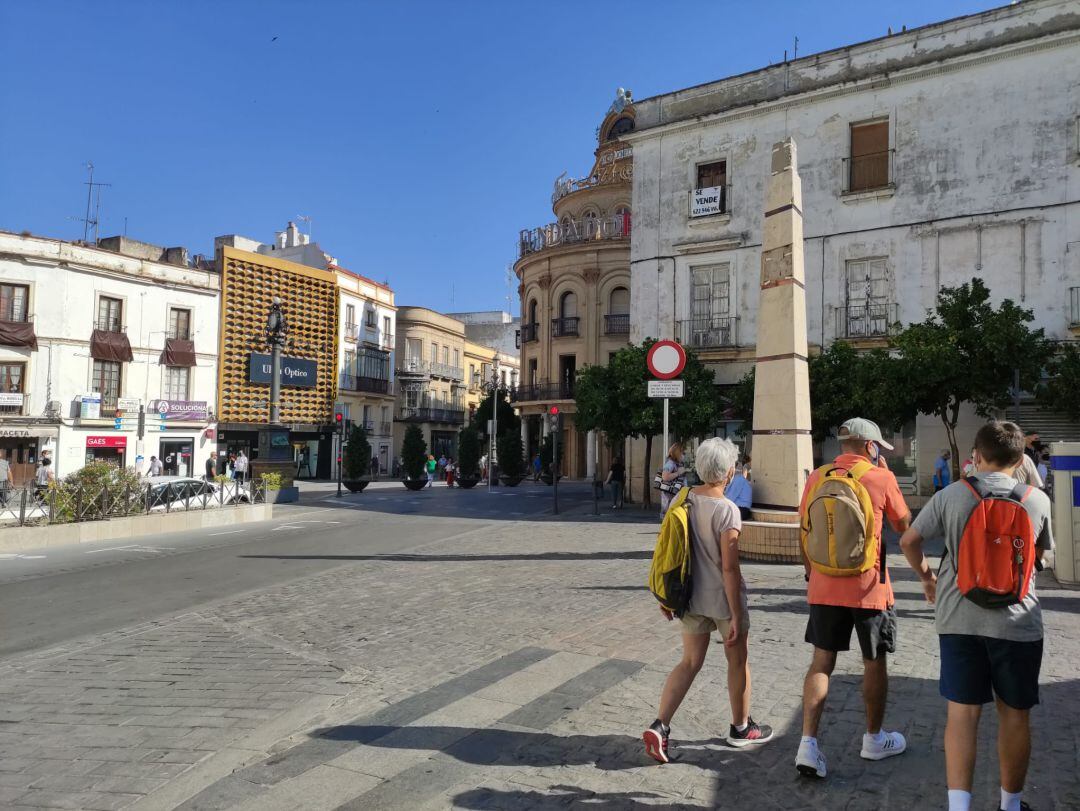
(448, 371)
(565, 327)
(542, 392)
(375, 385)
(530, 333)
(451, 412)
(863, 321)
(617, 324)
(109, 324)
(1074, 306)
(350, 331)
(179, 333)
(713, 332)
(867, 172)
(386, 428)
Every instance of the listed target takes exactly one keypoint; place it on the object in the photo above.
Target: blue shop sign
(294, 371)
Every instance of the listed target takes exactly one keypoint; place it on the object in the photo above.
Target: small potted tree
(356, 461)
(413, 458)
(547, 459)
(468, 457)
(511, 459)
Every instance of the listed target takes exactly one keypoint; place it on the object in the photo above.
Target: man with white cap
(855, 599)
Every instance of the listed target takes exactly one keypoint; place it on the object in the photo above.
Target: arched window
(590, 225)
(620, 127)
(568, 305)
(620, 301)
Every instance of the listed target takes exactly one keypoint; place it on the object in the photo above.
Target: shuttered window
(869, 163)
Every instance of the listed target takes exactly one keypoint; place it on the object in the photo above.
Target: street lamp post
(277, 329)
(494, 422)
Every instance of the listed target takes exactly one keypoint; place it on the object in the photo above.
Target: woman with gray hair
(718, 601)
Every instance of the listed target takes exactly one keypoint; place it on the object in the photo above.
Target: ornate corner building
(574, 276)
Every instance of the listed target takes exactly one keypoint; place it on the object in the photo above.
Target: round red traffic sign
(666, 360)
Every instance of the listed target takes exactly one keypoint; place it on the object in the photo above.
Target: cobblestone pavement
(510, 667)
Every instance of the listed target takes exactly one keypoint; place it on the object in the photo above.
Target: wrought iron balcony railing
(873, 320)
(109, 325)
(450, 413)
(538, 392)
(709, 333)
(618, 324)
(564, 327)
(868, 172)
(375, 385)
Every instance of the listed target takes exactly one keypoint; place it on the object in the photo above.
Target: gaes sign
(666, 359)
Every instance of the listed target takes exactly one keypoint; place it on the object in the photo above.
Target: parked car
(185, 493)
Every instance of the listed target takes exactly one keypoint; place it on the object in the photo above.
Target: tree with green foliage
(1061, 391)
(413, 452)
(356, 463)
(508, 418)
(844, 383)
(511, 455)
(468, 452)
(967, 350)
(616, 401)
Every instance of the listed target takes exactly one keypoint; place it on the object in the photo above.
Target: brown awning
(178, 352)
(106, 345)
(18, 333)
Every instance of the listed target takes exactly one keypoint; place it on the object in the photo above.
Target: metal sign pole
(666, 444)
(555, 464)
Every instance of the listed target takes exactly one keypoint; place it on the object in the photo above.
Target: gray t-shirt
(5, 469)
(710, 518)
(945, 517)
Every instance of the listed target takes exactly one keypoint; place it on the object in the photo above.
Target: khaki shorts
(699, 624)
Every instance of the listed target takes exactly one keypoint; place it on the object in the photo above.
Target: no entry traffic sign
(666, 360)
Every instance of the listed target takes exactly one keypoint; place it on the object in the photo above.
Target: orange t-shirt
(864, 590)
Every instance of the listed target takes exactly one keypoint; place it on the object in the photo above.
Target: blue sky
(419, 136)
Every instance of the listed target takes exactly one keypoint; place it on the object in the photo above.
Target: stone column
(590, 456)
(525, 441)
(782, 451)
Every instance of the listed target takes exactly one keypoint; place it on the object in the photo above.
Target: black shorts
(976, 668)
(829, 628)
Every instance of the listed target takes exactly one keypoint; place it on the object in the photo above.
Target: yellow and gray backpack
(838, 533)
(670, 578)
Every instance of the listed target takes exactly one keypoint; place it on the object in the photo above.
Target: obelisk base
(772, 535)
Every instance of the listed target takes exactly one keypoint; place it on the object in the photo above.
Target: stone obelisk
(782, 451)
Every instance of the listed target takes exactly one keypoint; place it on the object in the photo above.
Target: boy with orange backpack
(842, 512)
(987, 614)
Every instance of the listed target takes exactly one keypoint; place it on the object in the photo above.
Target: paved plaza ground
(445, 650)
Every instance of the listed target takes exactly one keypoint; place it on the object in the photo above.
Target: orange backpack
(996, 555)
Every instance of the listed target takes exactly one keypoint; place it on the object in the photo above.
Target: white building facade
(366, 385)
(927, 158)
(90, 336)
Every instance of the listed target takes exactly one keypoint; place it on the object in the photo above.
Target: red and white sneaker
(656, 741)
(754, 733)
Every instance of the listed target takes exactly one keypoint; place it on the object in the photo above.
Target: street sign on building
(665, 388)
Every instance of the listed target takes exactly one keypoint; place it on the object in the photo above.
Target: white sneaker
(892, 744)
(810, 762)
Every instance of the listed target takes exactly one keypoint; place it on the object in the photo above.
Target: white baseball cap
(858, 428)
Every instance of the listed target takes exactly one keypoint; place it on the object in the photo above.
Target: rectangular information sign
(665, 388)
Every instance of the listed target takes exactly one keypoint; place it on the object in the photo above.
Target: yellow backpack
(670, 578)
(838, 533)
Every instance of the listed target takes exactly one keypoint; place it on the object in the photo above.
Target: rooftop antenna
(90, 194)
(303, 218)
(795, 53)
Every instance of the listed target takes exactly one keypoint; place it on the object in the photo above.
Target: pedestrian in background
(671, 476)
(429, 467)
(740, 491)
(717, 602)
(211, 466)
(991, 650)
(616, 477)
(155, 467)
(942, 471)
(450, 469)
(240, 467)
(44, 477)
(536, 467)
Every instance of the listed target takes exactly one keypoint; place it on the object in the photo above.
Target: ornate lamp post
(494, 388)
(277, 330)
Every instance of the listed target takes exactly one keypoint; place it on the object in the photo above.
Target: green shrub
(271, 481)
(413, 452)
(468, 451)
(511, 455)
(98, 490)
(357, 461)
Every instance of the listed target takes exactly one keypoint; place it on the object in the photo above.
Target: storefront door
(176, 456)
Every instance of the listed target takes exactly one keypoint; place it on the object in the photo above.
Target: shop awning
(18, 333)
(106, 345)
(178, 352)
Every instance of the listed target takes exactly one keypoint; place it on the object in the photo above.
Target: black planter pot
(548, 479)
(355, 485)
(467, 482)
(510, 481)
(415, 484)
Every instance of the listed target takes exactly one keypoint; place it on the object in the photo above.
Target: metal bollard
(22, 508)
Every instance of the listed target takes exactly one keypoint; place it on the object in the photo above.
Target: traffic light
(339, 422)
(554, 417)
